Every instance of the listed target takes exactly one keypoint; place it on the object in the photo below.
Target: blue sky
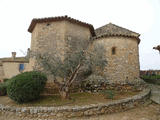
(141, 16)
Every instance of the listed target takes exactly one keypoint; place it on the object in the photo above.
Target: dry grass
(76, 99)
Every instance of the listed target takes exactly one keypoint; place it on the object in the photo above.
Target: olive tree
(68, 66)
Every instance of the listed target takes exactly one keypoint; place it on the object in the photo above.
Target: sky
(141, 16)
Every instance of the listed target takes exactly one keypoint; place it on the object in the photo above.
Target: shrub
(3, 89)
(151, 77)
(154, 79)
(5, 79)
(26, 86)
(109, 94)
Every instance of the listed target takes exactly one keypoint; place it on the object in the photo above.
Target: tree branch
(74, 75)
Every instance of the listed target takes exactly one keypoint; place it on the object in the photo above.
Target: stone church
(51, 34)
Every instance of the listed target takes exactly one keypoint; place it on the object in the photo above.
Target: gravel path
(155, 93)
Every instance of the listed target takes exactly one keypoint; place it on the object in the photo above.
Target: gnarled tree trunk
(64, 93)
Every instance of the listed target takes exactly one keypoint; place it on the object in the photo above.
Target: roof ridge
(111, 28)
(124, 28)
(56, 18)
(110, 23)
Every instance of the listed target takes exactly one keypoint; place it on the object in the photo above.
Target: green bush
(5, 79)
(3, 89)
(109, 94)
(26, 86)
(154, 79)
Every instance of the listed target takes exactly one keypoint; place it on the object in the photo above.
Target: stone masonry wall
(45, 39)
(78, 111)
(53, 38)
(12, 68)
(124, 64)
(76, 36)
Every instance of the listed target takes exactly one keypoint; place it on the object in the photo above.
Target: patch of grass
(108, 94)
(151, 77)
(154, 79)
(76, 99)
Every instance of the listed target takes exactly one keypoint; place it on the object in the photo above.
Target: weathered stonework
(55, 36)
(78, 111)
(9, 67)
(12, 68)
(124, 64)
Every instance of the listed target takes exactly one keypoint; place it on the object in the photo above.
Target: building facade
(52, 35)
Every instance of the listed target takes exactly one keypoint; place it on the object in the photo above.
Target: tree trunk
(64, 92)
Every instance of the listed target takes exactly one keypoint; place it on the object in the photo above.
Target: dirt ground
(148, 112)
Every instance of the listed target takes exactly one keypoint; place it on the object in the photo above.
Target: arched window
(113, 50)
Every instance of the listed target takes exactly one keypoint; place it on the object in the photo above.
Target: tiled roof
(114, 30)
(17, 59)
(60, 18)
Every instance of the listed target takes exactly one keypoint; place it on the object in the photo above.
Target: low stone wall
(78, 111)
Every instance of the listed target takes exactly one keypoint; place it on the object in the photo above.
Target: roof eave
(51, 19)
(111, 35)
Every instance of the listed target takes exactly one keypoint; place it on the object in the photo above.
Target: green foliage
(153, 77)
(64, 68)
(109, 94)
(3, 89)
(26, 86)
(69, 67)
(5, 79)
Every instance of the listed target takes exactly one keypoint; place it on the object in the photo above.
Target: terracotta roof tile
(114, 30)
(60, 18)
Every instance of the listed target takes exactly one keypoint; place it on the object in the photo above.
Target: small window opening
(113, 50)
(21, 67)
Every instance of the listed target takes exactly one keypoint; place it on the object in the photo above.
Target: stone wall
(45, 39)
(54, 37)
(78, 111)
(12, 68)
(124, 64)
(76, 36)
(1, 73)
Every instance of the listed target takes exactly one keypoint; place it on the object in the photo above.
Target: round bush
(26, 87)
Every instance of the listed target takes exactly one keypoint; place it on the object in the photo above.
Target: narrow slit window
(113, 50)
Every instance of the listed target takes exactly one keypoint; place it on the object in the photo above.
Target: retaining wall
(78, 111)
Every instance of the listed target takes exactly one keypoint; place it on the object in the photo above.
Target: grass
(154, 79)
(76, 99)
